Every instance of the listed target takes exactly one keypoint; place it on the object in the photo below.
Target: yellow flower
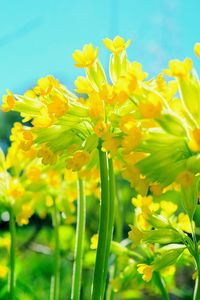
(184, 222)
(151, 108)
(135, 70)
(33, 173)
(135, 235)
(86, 57)
(127, 124)
(94, 241)
(168, 207)
(101, 128)
(8, 102)
(5, 242)
(3, 271)
(146, 271)
(23, 217)
(48, 157)
(178, 68)
(58, 106)
(197, 49)
(79, 159)
(15, 190)
(117, 45)
(83, 85)
(194, 144)
(129, 142)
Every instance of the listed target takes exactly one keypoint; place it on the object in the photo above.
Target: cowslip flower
(146, 271)
(8, 102)
(117, 45)
(178, 68)
(197, 49)
(86, 57)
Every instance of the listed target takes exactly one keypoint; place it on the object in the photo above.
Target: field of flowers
(99, 187)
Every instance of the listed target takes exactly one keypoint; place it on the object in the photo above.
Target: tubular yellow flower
(15, 190)
(135, 235)
(3, 271)
(48, 157)
(23, 217)
(101, 128)
(127, 124)
(146, 271)
(33, 173)
(194, 144)
(197, 49)
(178, 68)
(117, 45)
(79, 159)
(94, 241)
(86, 57)
(8, 102)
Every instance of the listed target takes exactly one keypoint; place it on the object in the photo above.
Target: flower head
(117, 45)
(197, 49)
(8, 102)
(146, 271)
(86, 57)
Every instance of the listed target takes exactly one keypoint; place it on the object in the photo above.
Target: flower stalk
(12, 254)
(56, 278)
(79, 247)
(105, 225)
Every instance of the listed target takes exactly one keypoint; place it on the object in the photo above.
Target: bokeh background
(38, 37)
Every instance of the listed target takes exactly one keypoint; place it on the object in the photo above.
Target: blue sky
(38, 37)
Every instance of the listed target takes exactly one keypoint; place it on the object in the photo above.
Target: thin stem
(12, 254)
(102, 248)
(196, 295)
(56, 278)
(161, 285)
(111, 216)
(79, 247)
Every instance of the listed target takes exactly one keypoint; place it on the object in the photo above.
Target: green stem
(101, 263)
(118, 218)
(161, 285)
(12, 254)
(56, 279)
(79, 247)
(196, 295)
(111, 215)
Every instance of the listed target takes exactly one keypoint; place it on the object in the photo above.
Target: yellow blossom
(135, 235)
(48, 157)
(197, 49)
(79, 159)
(117, 45)
(101, 128)
(94, 241)
(23, 217)
(146, 271)
(83, 85)
(8, 102)
(5, 242)
(194, 144)
(33, 173)
(3, 271)
(127, 124)
(15, 190)
(178, 68)
(151, 108)
(184, 222)
(129, 142)
(168, 207)
(135, 70)
(86, 57)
